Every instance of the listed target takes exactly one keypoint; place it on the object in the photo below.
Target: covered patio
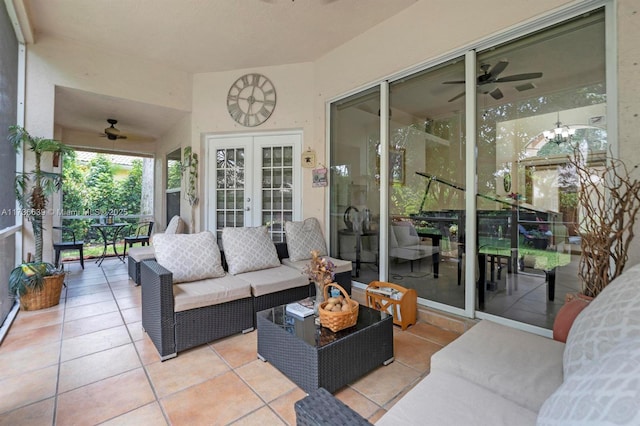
(88, 361)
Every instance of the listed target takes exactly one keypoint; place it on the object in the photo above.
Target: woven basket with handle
(336, 321)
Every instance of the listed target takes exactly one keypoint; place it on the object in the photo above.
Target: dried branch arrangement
(609, 199)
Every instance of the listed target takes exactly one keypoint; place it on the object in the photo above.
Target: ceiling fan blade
(496, 94)
(518, 77)
(456, 97)
(498, 68)
(453, 82)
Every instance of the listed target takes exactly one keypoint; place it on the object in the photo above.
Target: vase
(319, 297)
(567, 315)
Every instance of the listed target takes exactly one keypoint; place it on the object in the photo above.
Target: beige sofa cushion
(611, 318)
(604, 392)
(340, 264)
(141, 253)
(520, 366)
(249, 249)
(443, 399)
(190, 257)
(212, 291)
(303, 237)
(271, 280)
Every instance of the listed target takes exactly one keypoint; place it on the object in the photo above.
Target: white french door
(253, 180)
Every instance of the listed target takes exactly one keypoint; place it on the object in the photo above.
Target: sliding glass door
(355, 183)
(427, 185)
(539, 96)
(546, 97)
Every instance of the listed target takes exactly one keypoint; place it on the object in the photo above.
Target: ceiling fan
(111, 132)
(486, 82)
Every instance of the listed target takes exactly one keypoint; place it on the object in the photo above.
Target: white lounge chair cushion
(249, 249)
(445, 399)
(303, 237)
(190, 257)
(523, 367)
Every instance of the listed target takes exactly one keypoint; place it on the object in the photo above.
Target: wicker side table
(312, 356)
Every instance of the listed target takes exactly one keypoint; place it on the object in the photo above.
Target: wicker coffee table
(313, 356)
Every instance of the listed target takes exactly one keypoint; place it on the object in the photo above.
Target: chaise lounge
(497, 375)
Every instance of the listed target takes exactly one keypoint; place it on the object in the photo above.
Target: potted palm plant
(38, 283)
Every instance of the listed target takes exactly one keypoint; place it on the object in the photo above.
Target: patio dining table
(109, 233)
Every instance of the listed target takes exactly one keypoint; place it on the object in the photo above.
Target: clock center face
(251, 100)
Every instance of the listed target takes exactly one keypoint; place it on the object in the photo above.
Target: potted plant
(37, 283)
(189, 166)
(608, 200)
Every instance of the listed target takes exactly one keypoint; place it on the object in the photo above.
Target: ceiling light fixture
(560, 134)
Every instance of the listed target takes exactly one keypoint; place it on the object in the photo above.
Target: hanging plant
(190, 167)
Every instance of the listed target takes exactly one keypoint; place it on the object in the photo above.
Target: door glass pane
(275, 189)
(229, 188)
(427, 177)
(528, 236)
(355, 183)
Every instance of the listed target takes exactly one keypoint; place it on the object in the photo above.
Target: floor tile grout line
(64, 315)
(135, 348)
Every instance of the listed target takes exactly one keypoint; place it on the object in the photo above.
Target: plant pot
(567, 315)
(45, 297)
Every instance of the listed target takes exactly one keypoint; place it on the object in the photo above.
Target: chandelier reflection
(560, 134)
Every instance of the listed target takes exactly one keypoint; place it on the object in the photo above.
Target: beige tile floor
(87, 361)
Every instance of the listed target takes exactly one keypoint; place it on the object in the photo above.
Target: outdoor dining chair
(142, 235)
(70, 244)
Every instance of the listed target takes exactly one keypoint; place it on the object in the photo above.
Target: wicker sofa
(497, 375)
(186, 303)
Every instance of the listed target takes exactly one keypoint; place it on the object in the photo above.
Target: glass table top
(316, 335)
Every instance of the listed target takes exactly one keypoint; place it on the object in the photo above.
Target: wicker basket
(336, 321)
(45, 297)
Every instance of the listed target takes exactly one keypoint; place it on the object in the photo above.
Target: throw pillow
(248, 249)
(611, 318)
(190, 257)
(175, 226)
(303, 237)
(604, 392)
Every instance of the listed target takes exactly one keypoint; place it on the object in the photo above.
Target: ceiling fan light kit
(111, 132)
